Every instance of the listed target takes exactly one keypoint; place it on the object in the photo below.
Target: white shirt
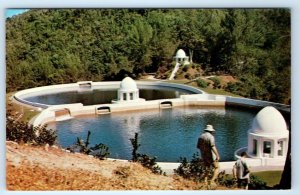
(241, 167)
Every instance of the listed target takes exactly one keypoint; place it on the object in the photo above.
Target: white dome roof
(269, 121)
(128, 84)
(180, 54)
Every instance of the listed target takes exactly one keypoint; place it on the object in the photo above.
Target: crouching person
(241, 172)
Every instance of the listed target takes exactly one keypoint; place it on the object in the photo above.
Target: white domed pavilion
(268, 136)
(181, 57)
(128, 91)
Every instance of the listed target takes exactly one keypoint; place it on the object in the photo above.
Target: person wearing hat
(209, 153)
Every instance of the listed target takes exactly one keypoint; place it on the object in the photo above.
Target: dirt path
(151, 77)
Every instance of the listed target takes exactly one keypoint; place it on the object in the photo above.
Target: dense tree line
(52, 46)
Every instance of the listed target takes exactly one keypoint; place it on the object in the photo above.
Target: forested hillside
(52, 46)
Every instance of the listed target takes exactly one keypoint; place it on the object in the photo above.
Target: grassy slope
(21, 112)
(207, 90)
(270, 177)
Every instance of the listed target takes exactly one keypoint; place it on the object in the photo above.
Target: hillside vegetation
(52, 46)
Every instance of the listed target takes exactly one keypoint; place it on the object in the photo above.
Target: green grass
(207, 90)
(28, 112)
(218, 92)
(270, 177)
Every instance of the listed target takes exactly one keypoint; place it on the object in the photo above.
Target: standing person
(209, 153)
(241, 172)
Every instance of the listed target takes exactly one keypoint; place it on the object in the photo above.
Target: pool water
(100, 96)
(167, 134)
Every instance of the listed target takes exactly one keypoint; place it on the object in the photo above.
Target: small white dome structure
(268, 136)
(181, 57)
(128, 84)
(128, 91)
(180, 54)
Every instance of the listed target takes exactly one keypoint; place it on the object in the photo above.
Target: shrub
(149, 163)
(217, 82)
(23, 132)
(99, 150)
(256, 183)
(231, 87)
(185, 68)
(143, 159)
(135, 145)
(188, 76)
(228, 181)
(191, 170)
(202, 83)
(45, 136)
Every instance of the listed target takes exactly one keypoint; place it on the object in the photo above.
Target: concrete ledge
(256, 103)
(255, 165)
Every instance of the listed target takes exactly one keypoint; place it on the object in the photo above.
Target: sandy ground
(51, 168)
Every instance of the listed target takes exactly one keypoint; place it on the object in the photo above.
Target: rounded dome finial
(128, 84)
(269, 121)
(180, 54)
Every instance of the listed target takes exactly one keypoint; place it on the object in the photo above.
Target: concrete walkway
(224, 166)
(174, 71)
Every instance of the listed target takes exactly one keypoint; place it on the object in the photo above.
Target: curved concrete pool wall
(89, 85)
(48, 115)
(50, 112)
(73, 110)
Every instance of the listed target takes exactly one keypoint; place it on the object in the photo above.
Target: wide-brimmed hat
(209, 128)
